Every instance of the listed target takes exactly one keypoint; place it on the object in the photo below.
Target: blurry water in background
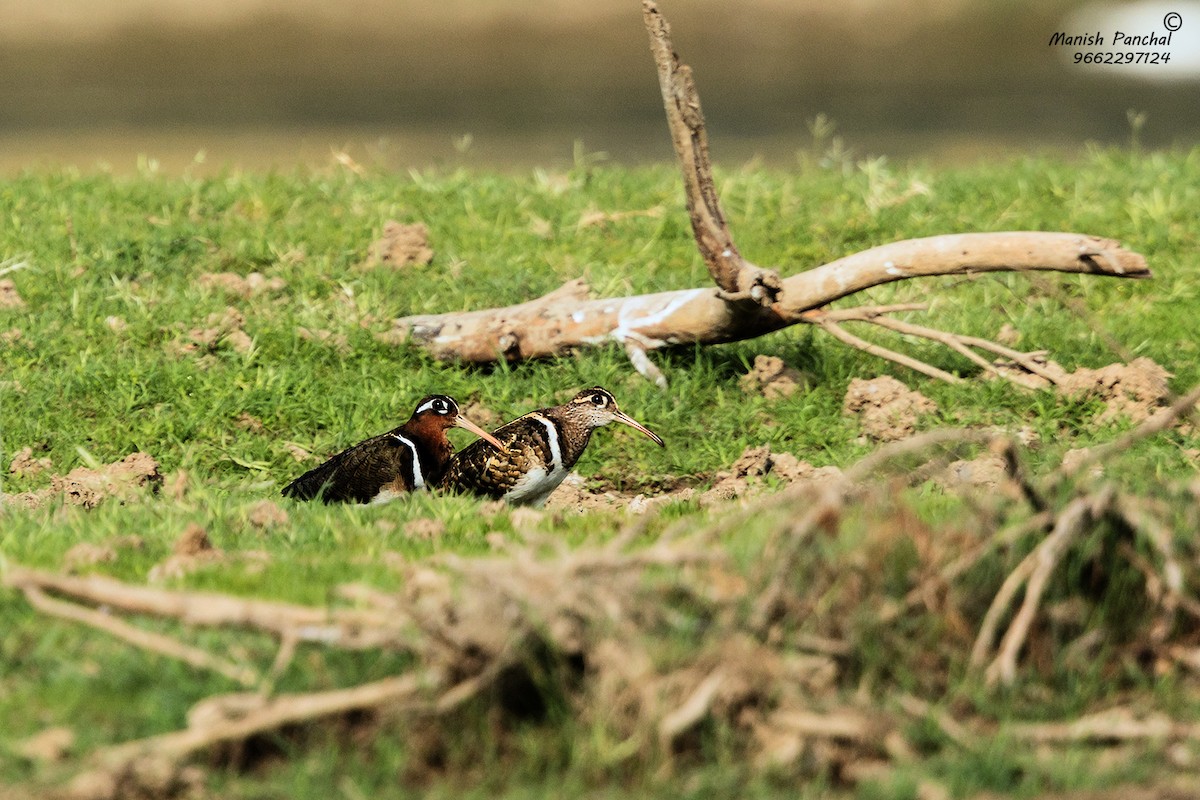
(207, 84)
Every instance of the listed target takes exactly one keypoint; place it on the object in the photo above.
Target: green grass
(81, 248)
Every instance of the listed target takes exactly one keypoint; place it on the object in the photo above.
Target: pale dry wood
(879, 351)
(1075, 520)
(735, 276)
(274, 713)
(147, 640)
(1116, 725)
(749, 301)
(560, 322)
(348, 628)
(691, 711)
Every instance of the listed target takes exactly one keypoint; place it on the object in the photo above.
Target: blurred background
(211, 84)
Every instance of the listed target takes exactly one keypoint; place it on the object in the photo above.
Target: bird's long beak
(463, 422)
(625, 419)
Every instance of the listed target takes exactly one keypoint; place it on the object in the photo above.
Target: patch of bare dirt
(772, 378)
(9, 298)
(985, 472)
(481, 415)
(192, 551)
(425, 528)
(249, 422)
(886, 409)
(1074, 459)
(745, 478)
(222, 330)
(238, 286)
(337, 341)
(265, 515)
(1135, 390)
(401, 246)
(297, 452)
(124, 480)
(25, 465)
(88, 554)
(12, 337)
(116, 324)
(177, 484)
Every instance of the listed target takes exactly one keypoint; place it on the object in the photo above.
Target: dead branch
(1034, 571)
(750, 301)
(554, 325)
(273, 714)
(1116, 725)
(147, 640)
(736, 277)
(347, 628)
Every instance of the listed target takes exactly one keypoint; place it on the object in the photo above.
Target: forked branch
(750, 301)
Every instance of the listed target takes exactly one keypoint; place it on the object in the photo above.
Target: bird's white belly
(535, 486)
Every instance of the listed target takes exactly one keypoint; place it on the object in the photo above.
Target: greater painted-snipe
(536, 451)
(412, 457)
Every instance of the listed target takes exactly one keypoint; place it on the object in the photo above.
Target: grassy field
(119, 345)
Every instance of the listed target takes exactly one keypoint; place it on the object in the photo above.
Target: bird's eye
(598, 399)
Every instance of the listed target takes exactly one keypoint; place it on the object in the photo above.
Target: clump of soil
(401, 246)
(887, 410)
(87, 554)
(222, 330)
(265, 515)
(248, 422)
(125, 480)
(1135, 390)
(25, 465)
(337, 341)
(233, 284)
(745, 478)
(192, 550)
(9, 298)
(772, 378)
(985, 472)
(571, 495)
(481, 415)
(425, 528)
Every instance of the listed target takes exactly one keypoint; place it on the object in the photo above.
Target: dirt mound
(222, 330)
(9, 298)
(24, 464)
(401, 246)
(192, 550)
(772, 378)
(125, 480)
(233, 284)
(265, 515)
(332, 339)
(1135, 390)
(886, 409)
(744, 479)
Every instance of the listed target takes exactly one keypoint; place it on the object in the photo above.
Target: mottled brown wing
(481, 469)
(357, 474)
